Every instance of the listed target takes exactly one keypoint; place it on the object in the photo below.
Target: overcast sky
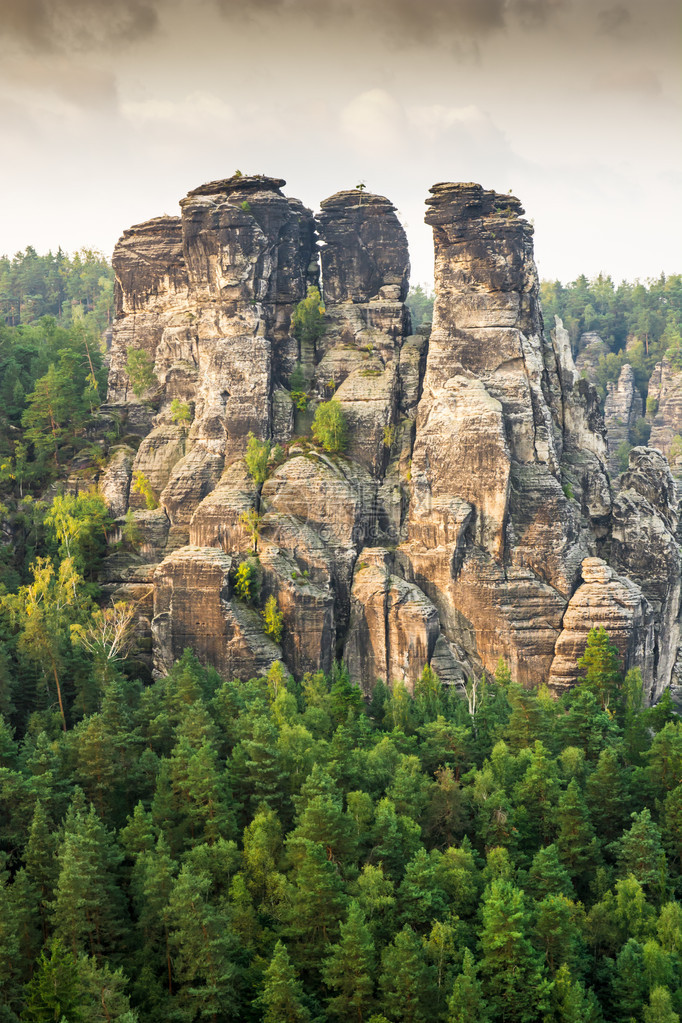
(110, 112)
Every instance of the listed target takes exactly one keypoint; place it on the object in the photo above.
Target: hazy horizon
(111, 113)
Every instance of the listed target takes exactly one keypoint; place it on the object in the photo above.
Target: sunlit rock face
(472, 497)
(493, 537)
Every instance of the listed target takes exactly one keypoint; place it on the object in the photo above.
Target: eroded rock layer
(495, 536)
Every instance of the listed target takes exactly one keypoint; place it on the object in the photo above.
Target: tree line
(272, 849)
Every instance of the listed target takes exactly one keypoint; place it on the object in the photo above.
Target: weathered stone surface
(216, 521)
(308, 609)
(192, 608)
(364, 252)
(591, 348)
(474, 486)
(664, 413)
(393, 628)
(614, 603)
(114, 483)
(333, 499)
(644, 547)
(622, 409)
(492, 538)
(156, 456)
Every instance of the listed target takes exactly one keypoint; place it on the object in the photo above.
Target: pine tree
(556, 931)
(548, 876)
(87, 910)
(467, 1003)
(39, 857)
(641, 854)
(349, 968)
(204, 950)
(575, 842)
(405, 979)
(513, 978)
(10, 953)
(421, 898)
(606, 796)
(53, 993)
(601, 662)
(282, 997)
(317, 902)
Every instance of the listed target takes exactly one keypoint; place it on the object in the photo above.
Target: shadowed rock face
(471, 512)
(664, 413)
(364, 254)
(622, 409)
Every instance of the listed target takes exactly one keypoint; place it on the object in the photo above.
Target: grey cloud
(64, 25)
(612, 19)
(418, 23)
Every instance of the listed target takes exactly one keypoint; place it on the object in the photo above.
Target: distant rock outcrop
(623, 409)
(473, 492)
(664, 413)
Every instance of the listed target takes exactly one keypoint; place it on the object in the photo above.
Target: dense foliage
(645, 317)
(52, 313)
(63, 286)
(269, 850)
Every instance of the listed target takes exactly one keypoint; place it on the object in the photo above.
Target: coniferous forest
(191, 848)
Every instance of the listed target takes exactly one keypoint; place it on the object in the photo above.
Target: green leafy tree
(273, 619)
(405, 980)
(307, 321)
(330, 428)
(256, 458)
(140, 370)
(181, 412)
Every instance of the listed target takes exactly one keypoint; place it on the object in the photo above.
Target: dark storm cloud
(53, 26)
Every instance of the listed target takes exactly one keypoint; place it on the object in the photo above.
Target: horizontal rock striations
(471, 514)
(495, 536)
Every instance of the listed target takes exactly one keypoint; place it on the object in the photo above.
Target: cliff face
(623, 408)
(493, 536)
(474, 486)
(664, 413)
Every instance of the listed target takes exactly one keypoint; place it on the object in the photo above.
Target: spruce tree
(53, 993)
(513, 978)
(576, 843)
(467, 1004)
(87, 910)
(349, 969)
(405, 980)
(282, 997)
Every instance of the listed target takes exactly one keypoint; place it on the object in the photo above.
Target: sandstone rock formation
(473, 492)
(613, 602)
(494, 539)
(664, 413)
(591, 348)
(623, 409)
